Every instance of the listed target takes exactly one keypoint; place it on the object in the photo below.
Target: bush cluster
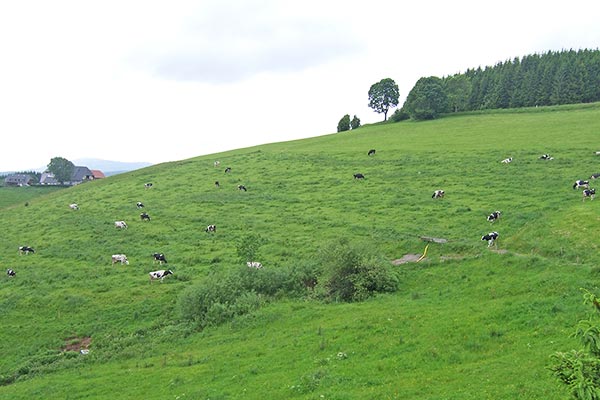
(339, 272)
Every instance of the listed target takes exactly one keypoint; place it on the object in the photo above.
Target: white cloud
(158, 81)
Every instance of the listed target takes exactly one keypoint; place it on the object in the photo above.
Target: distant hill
(110, 167)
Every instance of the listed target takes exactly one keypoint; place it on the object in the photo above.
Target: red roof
(97, 174)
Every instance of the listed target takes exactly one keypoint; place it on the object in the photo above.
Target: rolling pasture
(467, 322)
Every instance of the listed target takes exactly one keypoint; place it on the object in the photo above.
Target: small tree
(344, 124)
(248, 247)
(354, 272)
(579, 370)
(61, 168)
(383, 95)
(355, 123)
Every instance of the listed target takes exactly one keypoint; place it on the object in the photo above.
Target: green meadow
(467, 321)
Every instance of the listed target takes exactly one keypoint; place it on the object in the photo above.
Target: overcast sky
(161, 81)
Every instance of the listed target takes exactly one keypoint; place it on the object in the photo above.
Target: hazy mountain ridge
(108, 167)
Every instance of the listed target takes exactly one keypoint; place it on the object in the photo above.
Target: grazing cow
(254, 264)
(217, 163)
(507, 160)
(242, 187)
(148, 185)
(160, 257)
(438, 194)
(371, 152)
(211, 228)
(491, 238)
(217, 184)
(597, 153)
(74, 206)
(227, 170)
(359, 176)
(494, 216)
(546, 157)
(120, 258)
(591, 193)
(595, 176)
(144, 217)
(139, 204)
(120, 225)
(10, 272)
(26, 250)
(581, 184)
(160, 274)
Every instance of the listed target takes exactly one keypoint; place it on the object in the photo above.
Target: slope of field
(467, 323)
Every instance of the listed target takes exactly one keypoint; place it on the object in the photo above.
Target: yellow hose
(424, 253)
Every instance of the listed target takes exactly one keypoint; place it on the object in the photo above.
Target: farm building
(18, 180)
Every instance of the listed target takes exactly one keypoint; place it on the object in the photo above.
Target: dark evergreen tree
(355, 123)
(344, 124)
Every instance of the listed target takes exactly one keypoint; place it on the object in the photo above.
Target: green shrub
(400, 115)
(354, 272)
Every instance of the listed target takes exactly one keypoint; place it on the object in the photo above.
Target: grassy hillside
(467, 322)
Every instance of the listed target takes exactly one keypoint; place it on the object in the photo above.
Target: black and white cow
(160, 274)
(507, 160)
(120, 225)
(589, 193)
(254, 264)
(10, 272)
(242, 187)
(139, 204)
(217, 163)
(144, 217)
(359, 176)
(217, 184)
(595, 176)
(74, 206)
(211, 228)
(227, 170)
(26, 250)
(119, 258)
(546, 157)
(494, 216)
(371, 152)
(438, 194)
(579, 183)
(148, 185)
(160, 257)
(491, 238)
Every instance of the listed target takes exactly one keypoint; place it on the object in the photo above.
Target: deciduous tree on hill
(61, 168)
(427, 99)
(383, 95)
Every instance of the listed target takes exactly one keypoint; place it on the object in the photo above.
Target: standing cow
(120, 258)
(120, 225)
(438, 194)
(160, 274)
(491, 238)
(26, 250)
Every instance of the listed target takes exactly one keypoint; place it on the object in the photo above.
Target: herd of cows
(491, 237)
(158, 257)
